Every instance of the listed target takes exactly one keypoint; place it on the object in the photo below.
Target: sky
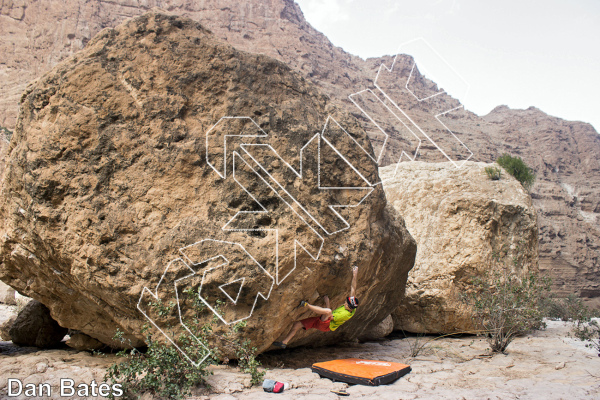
(542, 53)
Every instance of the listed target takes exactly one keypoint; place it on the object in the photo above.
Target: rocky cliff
(464, 224)
(160, 160)
(36, 35)
(566, 194)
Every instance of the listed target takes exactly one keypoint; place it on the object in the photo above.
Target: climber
(328, 320)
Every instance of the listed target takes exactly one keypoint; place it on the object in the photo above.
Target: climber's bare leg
(295, 328)
(325, 312)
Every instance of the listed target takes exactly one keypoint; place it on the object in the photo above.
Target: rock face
(81, 341)
(35, 327)
(566, 194)
(5, 328)
(460, 219)
(7, 295)
(380, 330)
(160, 159)
(57, 30)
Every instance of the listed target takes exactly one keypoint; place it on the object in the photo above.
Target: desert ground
(546, 364)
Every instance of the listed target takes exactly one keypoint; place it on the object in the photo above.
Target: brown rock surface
(117, 164)
(35, 327)
(7, 295)
(81, 341)
(5, 326)
(379, 331)
(460, 219)
(55, 30)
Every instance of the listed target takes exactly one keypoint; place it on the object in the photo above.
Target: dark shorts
(316, 323)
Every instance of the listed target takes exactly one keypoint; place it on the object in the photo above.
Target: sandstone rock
(120, 181)
(460, 220)
(227, 380)
(34, 326)
(5, 328)
(379, 331)
(81, 341)
(7, 294)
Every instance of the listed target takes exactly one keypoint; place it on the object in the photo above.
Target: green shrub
(6, 132)
(517, 168)
(588, 331)
(164, 371)
(507, 305)
(161, 370)
(494, 173)
(243, 350)
(570, 308)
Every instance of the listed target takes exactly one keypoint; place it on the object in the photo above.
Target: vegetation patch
(164, 371)
(570, 308)
(516, 167)
(507, 305)
(494, 173)
(7, 133)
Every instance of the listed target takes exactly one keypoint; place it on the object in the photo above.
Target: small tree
(588, 331)
(570, 308)
(517, 168)
(506, 305)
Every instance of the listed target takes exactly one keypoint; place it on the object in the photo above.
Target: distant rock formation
(124, 177)
(461, 221)
(566, 158)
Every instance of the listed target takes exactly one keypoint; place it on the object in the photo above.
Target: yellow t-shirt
(340, 315)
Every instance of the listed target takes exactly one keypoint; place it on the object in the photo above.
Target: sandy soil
(545, 365)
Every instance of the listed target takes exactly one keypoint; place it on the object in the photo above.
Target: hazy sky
(543, 53)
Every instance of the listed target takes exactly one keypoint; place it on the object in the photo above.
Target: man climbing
(328, 320)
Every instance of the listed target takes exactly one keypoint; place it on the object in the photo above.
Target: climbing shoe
(281, 345)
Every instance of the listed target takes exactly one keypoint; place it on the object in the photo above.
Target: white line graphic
(382, 95)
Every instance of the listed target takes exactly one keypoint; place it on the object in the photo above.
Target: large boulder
(35, 327)
(465, 224)
(159, 159)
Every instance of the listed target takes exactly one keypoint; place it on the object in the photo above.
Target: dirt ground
(544, 365)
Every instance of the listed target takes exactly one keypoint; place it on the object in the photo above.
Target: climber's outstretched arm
(354, 278)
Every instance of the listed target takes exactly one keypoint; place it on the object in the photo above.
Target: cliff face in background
(566, 195)
(36, 35)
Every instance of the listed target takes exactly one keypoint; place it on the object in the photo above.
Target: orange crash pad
(361, 372)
